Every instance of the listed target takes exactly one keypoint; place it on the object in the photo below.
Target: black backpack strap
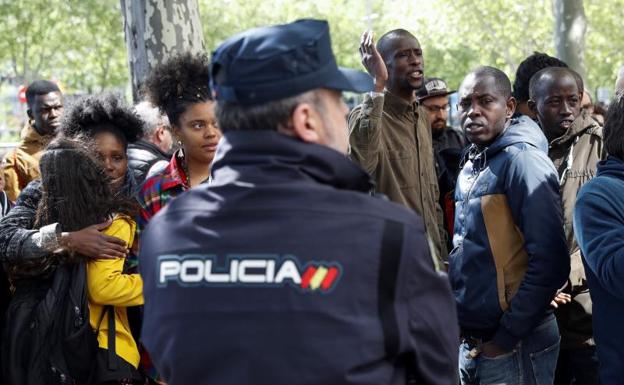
(391, 250)
(112, 360)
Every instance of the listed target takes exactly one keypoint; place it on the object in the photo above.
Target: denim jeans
(531, 362)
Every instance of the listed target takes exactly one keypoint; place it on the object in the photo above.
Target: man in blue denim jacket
(509, 255)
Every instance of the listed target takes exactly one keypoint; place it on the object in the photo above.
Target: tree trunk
(156, 30)
(570, 28)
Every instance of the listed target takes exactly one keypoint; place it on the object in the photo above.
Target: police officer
(284, 270)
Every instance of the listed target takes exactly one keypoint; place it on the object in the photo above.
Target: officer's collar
(257, 156)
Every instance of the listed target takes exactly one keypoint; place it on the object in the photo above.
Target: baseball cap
(271, 63)
(433, 87)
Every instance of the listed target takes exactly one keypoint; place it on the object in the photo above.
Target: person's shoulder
(200, 199)
(355, 112)
(123, 227)
(31, 194)
(9, 158)
(595, 130)
(381, 208)
(152, 182)
(524, 156)
(601, 185)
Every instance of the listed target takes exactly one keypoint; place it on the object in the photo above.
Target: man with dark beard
(433, 96)
(447, 143)
(389, 135)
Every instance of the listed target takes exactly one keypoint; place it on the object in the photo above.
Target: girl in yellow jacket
(77, 191)
(109, 286)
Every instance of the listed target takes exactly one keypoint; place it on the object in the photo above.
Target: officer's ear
(306, 123)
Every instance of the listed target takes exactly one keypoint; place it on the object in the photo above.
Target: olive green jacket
(575, 156)
(391, 140)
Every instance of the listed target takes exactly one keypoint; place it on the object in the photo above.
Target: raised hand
(372, 61)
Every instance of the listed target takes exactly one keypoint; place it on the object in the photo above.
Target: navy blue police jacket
(274, 274)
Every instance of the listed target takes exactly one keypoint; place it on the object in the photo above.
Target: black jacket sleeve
(16, 226)
(432, 328)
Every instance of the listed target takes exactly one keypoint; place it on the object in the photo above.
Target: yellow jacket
(22, 163)
(107, 285)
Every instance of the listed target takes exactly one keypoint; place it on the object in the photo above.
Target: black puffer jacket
(142, 155)
(17, 226)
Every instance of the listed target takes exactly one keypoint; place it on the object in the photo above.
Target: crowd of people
(240, 225)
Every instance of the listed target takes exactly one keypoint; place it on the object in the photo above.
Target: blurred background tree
(77, 42)
(81, 43)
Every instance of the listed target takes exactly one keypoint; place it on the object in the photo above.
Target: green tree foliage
(603, 47)
(456, 35)
(78, 42)
(81, 42)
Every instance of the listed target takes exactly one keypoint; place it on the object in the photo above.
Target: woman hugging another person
(84, 182)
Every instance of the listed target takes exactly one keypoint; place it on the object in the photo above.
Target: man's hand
(491, 350)
(372, 61)
(90, 242)
(561, 299)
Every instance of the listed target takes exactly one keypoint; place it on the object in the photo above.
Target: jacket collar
(31, 138)
(149, 146)
(579, 126)
(264, 156)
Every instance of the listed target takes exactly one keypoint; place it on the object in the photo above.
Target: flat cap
(433, 87)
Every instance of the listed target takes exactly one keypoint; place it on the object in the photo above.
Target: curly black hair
(76, 191)
(181, 81)
(529, 67)
(92, 114)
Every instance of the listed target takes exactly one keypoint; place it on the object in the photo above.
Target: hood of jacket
(520, 130)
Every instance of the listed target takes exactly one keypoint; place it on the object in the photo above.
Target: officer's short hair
(266, 116)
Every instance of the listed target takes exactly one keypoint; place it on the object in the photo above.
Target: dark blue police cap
(270, 63)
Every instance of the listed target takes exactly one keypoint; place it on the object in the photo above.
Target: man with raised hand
(389, 133)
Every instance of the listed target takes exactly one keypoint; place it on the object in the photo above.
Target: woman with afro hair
(180, 88)
(113, 125)
(24, 244)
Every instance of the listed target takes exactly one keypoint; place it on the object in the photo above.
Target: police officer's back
(284, 270)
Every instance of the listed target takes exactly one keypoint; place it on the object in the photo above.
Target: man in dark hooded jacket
(509, 257)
